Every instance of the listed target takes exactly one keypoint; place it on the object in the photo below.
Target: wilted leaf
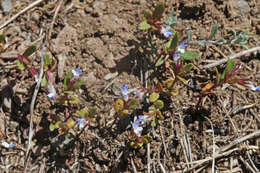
(189, 55)
(208, 87)
(29, 51)
(144, 25)
(153, 97)
(119, 105)
(158, 11)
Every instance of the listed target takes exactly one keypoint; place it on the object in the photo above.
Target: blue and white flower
(180, 49)
(7, 145)
(253, 87)
(125, 91)
(137, 128)
(81, 122)
(77, 72)
(166, 31)
(137, 125)
(52, 92)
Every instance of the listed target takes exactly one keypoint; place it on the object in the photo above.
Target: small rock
(90, 80)
(6, 5)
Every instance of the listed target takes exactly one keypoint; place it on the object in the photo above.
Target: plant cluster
(170, 50)
(72, 82)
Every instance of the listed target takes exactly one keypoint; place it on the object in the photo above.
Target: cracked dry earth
(99, 37)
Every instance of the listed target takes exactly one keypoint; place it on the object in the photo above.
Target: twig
(133, 165)
(240, 140)
(32, 107)
(21, 12)
(162, 168)
(54, 18)
(148, 158)
(164, 145)
(214, 147)
(222, 61)
(247, 164)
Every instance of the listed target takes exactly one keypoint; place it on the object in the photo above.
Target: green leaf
(144, 25)
(159, 104)
(213, 31)
(133, 103)
(83, 113)
(47, 60)
(148, 14)
(74, 100)
(20, 65)
(71, 123)
(159, 62)
(229, 68)
(67, 79)
(153, 97)
(158, 11)
(52, 127)
(189, 33)
(2, 38)
(78, 84)
(29, 51)
(172, 20)
(155, 121)
(152, 109)
(92, 112)
(182, 80)
(68, 92)
(169, 83)
(172, 44)
(189, 55)
(218, 76)
(186, 69)
(44, 81)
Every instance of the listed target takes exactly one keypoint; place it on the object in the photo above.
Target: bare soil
(98, 36)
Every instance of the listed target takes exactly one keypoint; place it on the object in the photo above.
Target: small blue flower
(166, 31)
(81, 122)
(181, 48)
(137, 128)
(125, 91)
(6, 145)
(252, 87)
(52, 92)
(77, 72)
(176, 56)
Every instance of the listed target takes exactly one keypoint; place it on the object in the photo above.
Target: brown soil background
(97, 36)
